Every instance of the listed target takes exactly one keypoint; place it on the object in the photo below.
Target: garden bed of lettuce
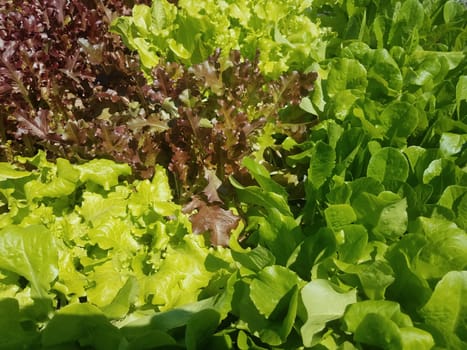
(233, 174)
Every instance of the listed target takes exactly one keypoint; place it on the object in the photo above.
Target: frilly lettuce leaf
(182, 274)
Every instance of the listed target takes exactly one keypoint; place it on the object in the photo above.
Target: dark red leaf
(215, 220)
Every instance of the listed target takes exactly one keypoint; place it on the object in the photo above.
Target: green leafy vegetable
(30, 252)
(260, 228)
(323, 304)
(445, 311)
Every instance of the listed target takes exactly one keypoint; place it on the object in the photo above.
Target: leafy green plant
(345, 234)
(281, 31)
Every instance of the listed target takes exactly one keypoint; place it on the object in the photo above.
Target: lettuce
(189, 32)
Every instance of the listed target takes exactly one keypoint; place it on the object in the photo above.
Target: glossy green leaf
(352, 240)
(451, 144)
(399, 119)
(58, 187)
(375, 277)
(255, 259)
(272, 331)
(447, 309)
(338, 215)
(30, 252)
(263, 177)
(346, 74)
(323, 303)
(103, 172)
(408, 19)
(384, 76)
(269, 287)
(8, 171)
(388, 164)
(393, 220)
(446, 248)
(150, 340)
(385, 215)
(322, 162)
(378, 330)
(388, 310)
(452, 10)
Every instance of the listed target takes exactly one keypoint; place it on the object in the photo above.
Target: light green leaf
(98, 210)
(108, 282)
(352, 240)
(103, 172)
(155, 195)
(114, 233)
(182, 274)
(30, 252)
(338, 215)
(262, 176)
(453, 10)
(58, 187)
(346, 74)
(269, 287)
(255, 259)
(446, 311)
(393, 220)
(179, 49)
(147, 53)
(388, 164)
(163, 15)
(416, 338)
(9, 171)
(384, 75)
(323, 303)
(446, 249)
(142, 18)
(399, 120)
(390, 310)
(123, 300)
(378, 330)
(385, 215)
(451, 144)
(67, 171)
